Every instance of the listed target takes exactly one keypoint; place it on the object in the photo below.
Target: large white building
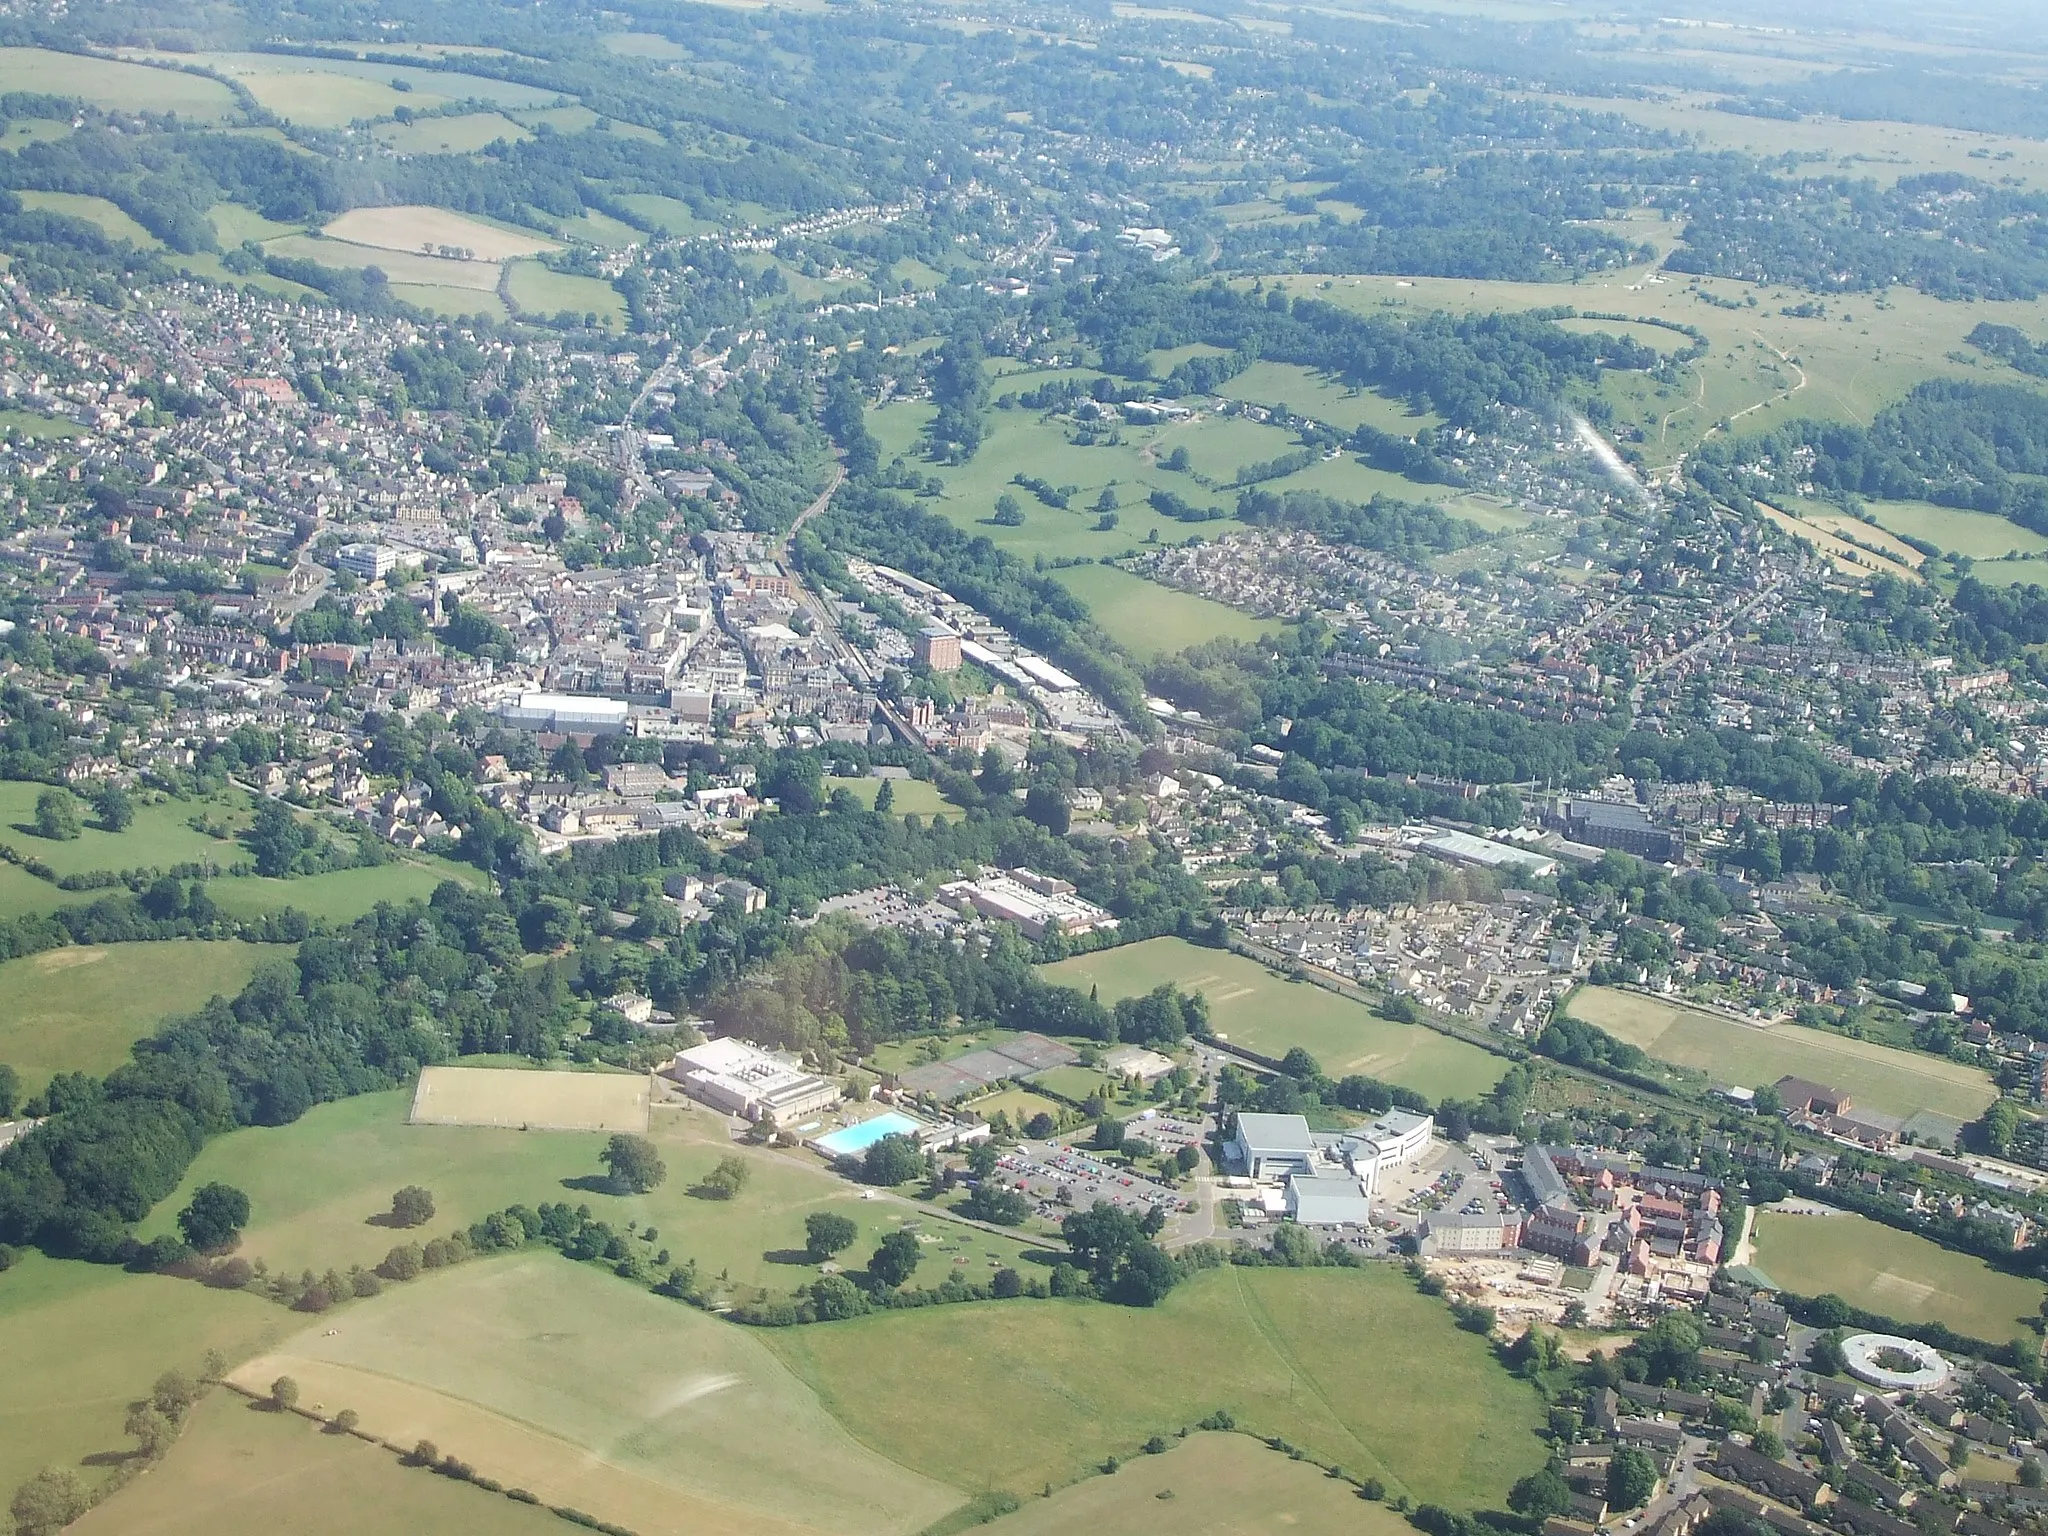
(743, 1079)
(1273, 1146)
(1038, 904)
(1330, 1177)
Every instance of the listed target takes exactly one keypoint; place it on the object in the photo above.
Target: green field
(667, 215)
(314, 1186)
(238, 1467)
(112, 84)
(1149, 619)
(341, 895)
(402, 267)
(452, 303)
(83, 1341)
(79, 1008)
(1353, 1365)
(161, 834)
(1894, 1273)
(600, 229)
(539, 290)
(233, 224)
(560, 1378)
(109, 217)
(1207, 1485)
(1893, 1082)
(1980, 535)
(2012, 573)
(1252, 1007)
(462, 135)
(913, 797)
(1312, 394)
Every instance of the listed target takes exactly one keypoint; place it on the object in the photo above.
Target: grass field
(667, 215)
(1149, 619)
(558, 1378)
(160, 835)
(1020, 1104)
(114, 84)
(461, 135)
(1980, 535)
(405, 267)
(412, 228)
(1207, 1485)
(1254, 1008)
(233, 224)
(548, 1101)
(314, 98)
(600, 229)
(78, 1009)
(21, 893)
(1353, 1365)
(451, 303)
(341, 895)
(1893, 1082)
(238, 1467)
(1842, 546)
(109, 217)
(1876, 1267)
(913, 797)
(83, 1341)
(539, 290)
(1301, 389)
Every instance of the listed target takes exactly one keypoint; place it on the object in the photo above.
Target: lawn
(913, 797)
(110, 218)
(559, 1378)
(341, 895)
(1894, 1273)
(83, 1341)
(79, 1008)
(115, 85)
(462, 135)
(315, 1186)
(1879, 1077)
(1020, 1104)
(1149, 619)
(1252, 1007)
(539, 290)
(160, 835)
(1353, 1365)
(238, 1467)
(1208, 1485)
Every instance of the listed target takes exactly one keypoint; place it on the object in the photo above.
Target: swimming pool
(855, 1139)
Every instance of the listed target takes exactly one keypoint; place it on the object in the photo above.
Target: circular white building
(1893, 1364)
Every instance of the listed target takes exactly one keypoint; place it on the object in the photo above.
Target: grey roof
(1275, 1133)
(1327, 1201)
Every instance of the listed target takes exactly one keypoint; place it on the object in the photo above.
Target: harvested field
(542, 1101)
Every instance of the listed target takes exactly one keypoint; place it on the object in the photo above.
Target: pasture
(461, 135)
(1149, 619)
(115, 84)
(1207, 1485)
(1353, 1365)
(450, 302)
(1896, 1273)
(1980, 535)
(239, 1467)
(110, 218)
(1878, 1077)
(667, 215)
(1252, 1007)
(546, 1101)
(83, 1341)
(1326, 399)
(340, 895)
(233, 224)
(540, 290)
(599, 229)
(160, 835)
(402, 267)
(79, 1008)
(414, 228)
(558, 1378)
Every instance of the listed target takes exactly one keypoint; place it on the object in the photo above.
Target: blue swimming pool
(856, 1139)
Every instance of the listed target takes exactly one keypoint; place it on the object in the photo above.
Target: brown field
(407, 227)
(544, 1101)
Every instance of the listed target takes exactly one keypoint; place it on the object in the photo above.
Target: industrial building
(1038, 904)
(939, 648)
(566, 714)
(742, 1079)
(1604, 824)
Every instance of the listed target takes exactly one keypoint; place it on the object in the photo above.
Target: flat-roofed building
(938, 648)
(742, 1079)
(1273, 1146)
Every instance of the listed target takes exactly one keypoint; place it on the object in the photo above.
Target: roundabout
(1894, 1364)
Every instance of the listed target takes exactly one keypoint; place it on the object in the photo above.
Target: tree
(10, 1091)
(885, 798)
(284, 1394)
(1540, 1495)
(1998, 1126)
(991, 1203)
(116, 810)
(345, 1422)
(892, 1160)
(403, 1262)
(2031, 1473)
(1187, 1159)
(48, 1502)
(1825, 1357)
(895, 1260)
(1670, 1349)
(1766, 1442)
(1009, 514)
(1631, 1478)
(827, 1233)
(1006, 1283)
(173, 1393)
(1146, 1275)
(1109, 1134)
(412, 1206)
(56, 815)
(1046, 804)
(215, 1217)
(152, 1432)
(727, 1179)
(634, 1165)
(835, 1297)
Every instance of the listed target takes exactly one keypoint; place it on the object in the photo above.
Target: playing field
(1878, 1077)
(110, 83)
(1252, 1007)
(558, 1378)
(1149, 619)
(1207, 1485)
(545, 1101)
(1353, 1365)
(239, 1467)
(79, 1008)
(411, 227)
(83, 1341)
(1896, 1273)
